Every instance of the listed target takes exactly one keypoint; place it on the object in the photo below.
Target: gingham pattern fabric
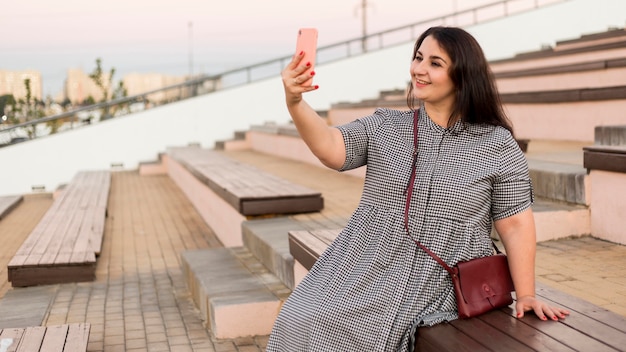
(373, 283)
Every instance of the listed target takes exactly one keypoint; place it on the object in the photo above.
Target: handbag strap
(409, 193)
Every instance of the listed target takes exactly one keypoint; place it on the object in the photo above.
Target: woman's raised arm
(326, 142)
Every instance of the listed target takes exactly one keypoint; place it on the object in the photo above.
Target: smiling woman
(442, 174)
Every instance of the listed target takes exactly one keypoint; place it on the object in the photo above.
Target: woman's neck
(438, 114)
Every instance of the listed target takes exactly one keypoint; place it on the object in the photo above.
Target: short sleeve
(356, 136)
(512, 188)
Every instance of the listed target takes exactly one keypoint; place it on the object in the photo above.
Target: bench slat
(62, 239)
(45, 225)
(563, 333)
(533, 338)
(598, 330)
(445, 337)
(32, 338)
(605, 316)
(14, 334)
(54, 339)
(77, 338)
(491, 337)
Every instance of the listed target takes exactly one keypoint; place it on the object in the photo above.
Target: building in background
(79, 87)
(12, 82)
(139, 83)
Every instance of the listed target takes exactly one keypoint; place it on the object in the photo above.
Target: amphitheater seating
(64, 244)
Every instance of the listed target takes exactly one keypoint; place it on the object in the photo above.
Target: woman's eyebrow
(433, 57)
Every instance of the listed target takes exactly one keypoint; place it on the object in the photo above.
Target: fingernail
(308, 64)
(544, 318)
(302, 52)
(519, 315)
(312, 73)
(317, 86)
(555, 318)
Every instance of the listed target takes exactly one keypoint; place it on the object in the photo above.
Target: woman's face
(429, 74)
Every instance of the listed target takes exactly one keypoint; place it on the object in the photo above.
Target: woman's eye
(418, 58)
(434, 63)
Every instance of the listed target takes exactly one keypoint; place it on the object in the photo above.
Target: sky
(176, 37)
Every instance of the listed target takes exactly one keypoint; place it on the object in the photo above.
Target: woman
(373, 286)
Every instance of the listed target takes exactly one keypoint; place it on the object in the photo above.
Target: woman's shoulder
(393, 113)
(382, 116)
(493, 131)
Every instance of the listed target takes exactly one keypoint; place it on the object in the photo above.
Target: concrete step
(236, 295)
(554, 220)
(559, 181)
(8, 203)
(238, 142)
(268, 241)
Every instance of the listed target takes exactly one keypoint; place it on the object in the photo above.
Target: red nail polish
(308, 64)
(316, 86)
(302, 52)
(312, 73)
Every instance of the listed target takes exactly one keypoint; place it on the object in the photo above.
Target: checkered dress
(373, 285)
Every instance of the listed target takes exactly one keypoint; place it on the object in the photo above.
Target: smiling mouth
(421, 82)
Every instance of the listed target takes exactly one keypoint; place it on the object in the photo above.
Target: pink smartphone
(307, 42)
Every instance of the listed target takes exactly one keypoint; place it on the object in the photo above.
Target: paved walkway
(139, 300)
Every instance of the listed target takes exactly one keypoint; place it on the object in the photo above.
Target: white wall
(139, 137)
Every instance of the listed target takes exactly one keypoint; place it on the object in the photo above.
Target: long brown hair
(476, 96)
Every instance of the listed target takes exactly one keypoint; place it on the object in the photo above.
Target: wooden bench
(59, 338)
(64, 244)
(246, 188)
(588, 328)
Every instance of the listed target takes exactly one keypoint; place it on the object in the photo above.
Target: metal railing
(209, 83)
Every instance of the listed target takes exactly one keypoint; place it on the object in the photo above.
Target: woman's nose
(417, 67)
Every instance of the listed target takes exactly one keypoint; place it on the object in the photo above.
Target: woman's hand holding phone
(298, 75)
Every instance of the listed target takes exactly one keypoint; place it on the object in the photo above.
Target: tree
(29, 109)
(105, 85)
(8, 104)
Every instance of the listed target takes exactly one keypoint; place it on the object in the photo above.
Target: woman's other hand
(542, 310)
